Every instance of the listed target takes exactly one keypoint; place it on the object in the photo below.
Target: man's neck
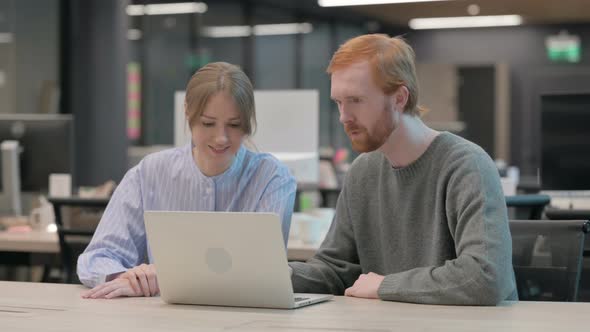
(408, 141)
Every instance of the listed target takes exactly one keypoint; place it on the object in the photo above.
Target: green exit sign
(563, 48)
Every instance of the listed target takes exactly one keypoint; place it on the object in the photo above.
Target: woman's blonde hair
(221, 77)
(391, 60)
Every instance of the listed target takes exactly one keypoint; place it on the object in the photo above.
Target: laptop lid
(220, 258)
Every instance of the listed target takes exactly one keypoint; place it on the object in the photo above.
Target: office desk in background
(41, 242)
(32, 249)
(57, 307)
(30, 242)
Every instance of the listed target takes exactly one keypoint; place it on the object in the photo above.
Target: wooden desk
(299, 251)
(35, 249)
(31, 242)
(56, 307)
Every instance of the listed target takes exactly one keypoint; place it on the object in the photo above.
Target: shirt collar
(232, 171)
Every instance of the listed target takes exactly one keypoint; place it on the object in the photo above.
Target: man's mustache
(353, 127)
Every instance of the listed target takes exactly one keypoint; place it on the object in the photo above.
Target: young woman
(213, 173)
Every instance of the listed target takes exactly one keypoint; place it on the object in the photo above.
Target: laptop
(222, 258)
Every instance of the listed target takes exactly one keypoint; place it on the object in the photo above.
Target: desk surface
(54, 307)
(34, 241)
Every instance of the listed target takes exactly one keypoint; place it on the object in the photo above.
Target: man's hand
(138, 281)
(366, 286)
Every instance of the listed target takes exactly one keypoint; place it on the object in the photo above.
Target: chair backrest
(74, 236)
(565, 214)
(527, 206)
(547, 258)
(568, 214)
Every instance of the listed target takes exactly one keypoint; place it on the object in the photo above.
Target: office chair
(550, 269)
(534, 204)
(571, 214)
(73, 239)
(566, 214)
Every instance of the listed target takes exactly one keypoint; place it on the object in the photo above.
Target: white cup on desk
(41, 217)
(60, 185)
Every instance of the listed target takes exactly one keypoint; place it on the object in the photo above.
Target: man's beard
(367, 142)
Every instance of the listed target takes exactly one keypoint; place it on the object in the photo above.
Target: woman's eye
(208, 124)
(235, 125)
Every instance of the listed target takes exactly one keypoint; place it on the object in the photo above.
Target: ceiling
(532, 11)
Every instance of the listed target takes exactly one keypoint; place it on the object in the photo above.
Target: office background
(75, 56)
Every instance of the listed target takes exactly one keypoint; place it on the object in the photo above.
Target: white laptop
(222, 258)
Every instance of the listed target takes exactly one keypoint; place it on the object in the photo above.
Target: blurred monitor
(288, 128)
(565, 141)
(47, 146)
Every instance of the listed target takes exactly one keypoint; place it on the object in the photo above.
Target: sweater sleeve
(335, 266)
(482, 272)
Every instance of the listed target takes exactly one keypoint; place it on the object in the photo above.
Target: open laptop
(222, 258)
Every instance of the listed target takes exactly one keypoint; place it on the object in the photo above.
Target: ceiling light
(282, 29)
(258, 30)
(135, 10)
(167, 8)
(464, 22)
(339, 3)
(226, 31)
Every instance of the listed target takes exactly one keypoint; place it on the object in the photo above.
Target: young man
(421, 216)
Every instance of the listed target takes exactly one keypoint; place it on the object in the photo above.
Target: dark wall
(94, 66)
(532, 74)
(476, 92)
(36, 46)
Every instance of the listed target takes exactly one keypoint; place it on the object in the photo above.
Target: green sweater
(437, 229)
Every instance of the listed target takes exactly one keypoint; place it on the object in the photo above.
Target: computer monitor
(565, 141)
(288, 128)
(46, 146)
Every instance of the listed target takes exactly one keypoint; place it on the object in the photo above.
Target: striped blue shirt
(170, 180)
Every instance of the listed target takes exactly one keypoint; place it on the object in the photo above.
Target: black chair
(567, 214)
(550, 268)
(73, 239)
(571, 214)
(527, 206)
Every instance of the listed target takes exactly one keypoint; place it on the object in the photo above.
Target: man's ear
(400, 97)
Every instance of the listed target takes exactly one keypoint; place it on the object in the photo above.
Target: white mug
(41, 217)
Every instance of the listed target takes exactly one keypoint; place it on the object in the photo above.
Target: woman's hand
(138, 281)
